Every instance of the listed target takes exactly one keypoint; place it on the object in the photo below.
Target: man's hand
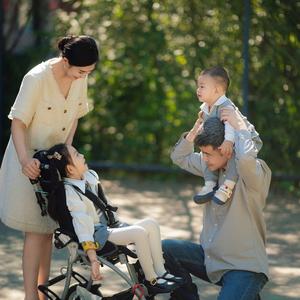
(226, 148)
(196, 128)
(231, 116)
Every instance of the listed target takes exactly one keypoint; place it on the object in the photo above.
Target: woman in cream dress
(51, 99)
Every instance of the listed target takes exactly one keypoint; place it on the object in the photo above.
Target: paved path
(179, 217)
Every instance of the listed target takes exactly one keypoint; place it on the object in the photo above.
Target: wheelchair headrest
(45, 167)
(42, 157)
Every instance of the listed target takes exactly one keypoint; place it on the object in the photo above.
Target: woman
(51, 99)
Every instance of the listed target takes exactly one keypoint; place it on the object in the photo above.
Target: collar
(220, 101)
(80, 183)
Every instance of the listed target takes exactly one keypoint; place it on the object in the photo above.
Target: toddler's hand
(95, 270)
(200, 115)
(226, 148)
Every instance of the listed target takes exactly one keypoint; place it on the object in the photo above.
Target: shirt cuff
(15, 114)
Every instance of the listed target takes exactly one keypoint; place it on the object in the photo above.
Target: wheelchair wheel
(72, 295)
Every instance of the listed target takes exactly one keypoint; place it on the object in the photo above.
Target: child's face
(78, 166)
(207, 89)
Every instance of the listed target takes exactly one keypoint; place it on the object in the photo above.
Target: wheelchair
(110, 255)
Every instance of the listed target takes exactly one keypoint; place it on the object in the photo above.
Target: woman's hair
(59, 157)
(81, 51)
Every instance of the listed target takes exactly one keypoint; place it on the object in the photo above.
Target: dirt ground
(170, 203)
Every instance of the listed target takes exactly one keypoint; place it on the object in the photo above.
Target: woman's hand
(95, 270)
(31, 167)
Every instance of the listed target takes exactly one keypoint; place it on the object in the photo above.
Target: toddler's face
(206, 89)
(79, 166)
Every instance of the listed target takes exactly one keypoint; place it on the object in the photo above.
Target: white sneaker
(206, 192)
(224, 192)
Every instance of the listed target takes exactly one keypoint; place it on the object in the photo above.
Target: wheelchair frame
(109, 259)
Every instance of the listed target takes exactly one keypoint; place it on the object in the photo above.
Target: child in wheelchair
(77, 202)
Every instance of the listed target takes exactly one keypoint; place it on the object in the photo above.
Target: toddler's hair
(220, 74)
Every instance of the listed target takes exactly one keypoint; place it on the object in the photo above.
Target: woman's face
(75, 72)
(78, 166)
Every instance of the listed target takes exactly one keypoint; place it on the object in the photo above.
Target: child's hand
(226, 148)
(95, 270)
(200, 115)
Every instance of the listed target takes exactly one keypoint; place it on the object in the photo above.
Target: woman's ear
(66, 62)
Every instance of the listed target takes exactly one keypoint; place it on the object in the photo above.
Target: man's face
(213, 158)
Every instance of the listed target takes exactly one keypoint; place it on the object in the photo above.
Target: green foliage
(143, 90)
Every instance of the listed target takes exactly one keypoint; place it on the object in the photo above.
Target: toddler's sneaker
(224, 192)
(206, 193)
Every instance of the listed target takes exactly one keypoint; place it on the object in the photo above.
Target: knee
(151, 222)
(168, 247)
(139, 232)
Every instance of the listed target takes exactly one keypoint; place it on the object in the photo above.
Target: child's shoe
(160, 286)
(224, 192)
(206, 193)
(170, 277)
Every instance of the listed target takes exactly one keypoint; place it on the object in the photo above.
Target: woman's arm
(70, 137)
(30, 166)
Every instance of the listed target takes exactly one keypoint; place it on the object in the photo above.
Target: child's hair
(59, 157)
(220, 74)
(81, 51)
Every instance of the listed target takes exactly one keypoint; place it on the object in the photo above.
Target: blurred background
(143, 90)
(144, 95)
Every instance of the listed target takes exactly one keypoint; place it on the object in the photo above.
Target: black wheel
(71, 295)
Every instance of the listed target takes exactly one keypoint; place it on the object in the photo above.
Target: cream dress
(48, 117)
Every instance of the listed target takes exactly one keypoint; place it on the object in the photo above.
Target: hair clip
(55, 155)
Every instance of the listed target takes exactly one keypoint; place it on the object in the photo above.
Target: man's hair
(212, 133)
(219, 74)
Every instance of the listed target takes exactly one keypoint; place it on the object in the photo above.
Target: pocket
(46, 114)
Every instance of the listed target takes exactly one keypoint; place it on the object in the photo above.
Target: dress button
(65, 111)
(49, 108)
(80, 103)
(64, 129)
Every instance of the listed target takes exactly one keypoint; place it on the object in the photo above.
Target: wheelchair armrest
(126, 251)
(111, 250)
